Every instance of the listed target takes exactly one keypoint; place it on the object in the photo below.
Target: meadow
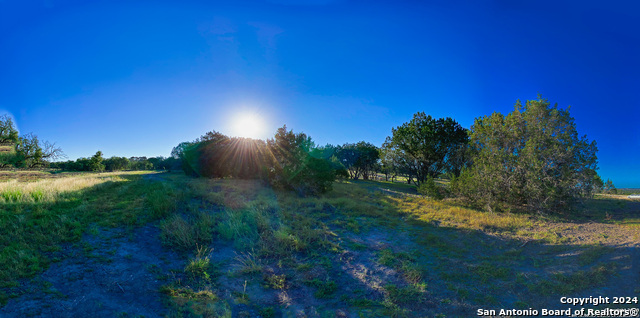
(163, 244)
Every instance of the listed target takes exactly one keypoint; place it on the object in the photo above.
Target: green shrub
(430, 188)
(290, 160)
(533, 157)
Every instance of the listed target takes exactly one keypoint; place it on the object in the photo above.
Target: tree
(289, 160)
(178, 150)
(532, 157)
(116, 163)
(427, 145)
(140, 163)
(95, 163)
(206, 156)
(395, 162)
(8, 132)
(291, 165)
(359, 159)
(609, 188)
(459, 158)
(8, 139)
(328, 153)
(31, 153)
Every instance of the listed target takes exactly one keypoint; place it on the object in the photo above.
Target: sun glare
(248, 125)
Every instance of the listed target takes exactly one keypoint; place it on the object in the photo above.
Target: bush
(429, 187)
(294, 168)
(289, 160)
(531, 158)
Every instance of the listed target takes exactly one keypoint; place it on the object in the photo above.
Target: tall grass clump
(198, 267)
(240, 226)
(185, 233)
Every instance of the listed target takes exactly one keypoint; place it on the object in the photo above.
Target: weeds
(185, 234)
(199, 266)
(325, 288)
(248, 263)
(404, 295)
(274, 281)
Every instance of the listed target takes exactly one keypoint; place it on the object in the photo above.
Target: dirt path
(114, 272)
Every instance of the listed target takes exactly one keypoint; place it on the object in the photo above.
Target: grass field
(236, 248)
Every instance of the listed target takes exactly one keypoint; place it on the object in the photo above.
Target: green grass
(592, 254)
(380, 239)
(199, 267)
(324, 288)
(569, 283)
(185, 234)
(37, 216)
(489, 272)
(302, 225)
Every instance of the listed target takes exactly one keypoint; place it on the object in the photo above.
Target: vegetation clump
(289, 160)
(359, 159)
(426, 147)
(429, 187)
(25, 151)
(533, 157)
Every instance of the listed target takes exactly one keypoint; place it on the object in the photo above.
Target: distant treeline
(97, 163)
(294, 158)
(532, 158)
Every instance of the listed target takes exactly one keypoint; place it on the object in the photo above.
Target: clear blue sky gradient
(135, 78)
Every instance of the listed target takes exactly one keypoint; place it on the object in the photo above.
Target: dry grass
(49, 190)
(452, 215)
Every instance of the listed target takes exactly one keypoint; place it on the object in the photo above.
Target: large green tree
(394, 162)
(8, 139)
(96, 162)
(293, 167)
(116, 163)
(426, 144)
(30, 152)
(359, 159)
(8, 132)
(533, 157)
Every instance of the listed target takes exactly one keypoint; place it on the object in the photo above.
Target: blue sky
(135, 78)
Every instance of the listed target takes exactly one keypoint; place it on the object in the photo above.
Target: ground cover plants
(165, 244)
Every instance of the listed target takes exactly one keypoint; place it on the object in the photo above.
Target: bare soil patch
(112, 272)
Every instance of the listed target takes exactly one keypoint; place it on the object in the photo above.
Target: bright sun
(248, 125)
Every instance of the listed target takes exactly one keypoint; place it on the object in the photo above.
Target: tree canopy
(359, 159)
(30, 152)
(289, 160)
(425, 146)
(8, 132)
(532, 157)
